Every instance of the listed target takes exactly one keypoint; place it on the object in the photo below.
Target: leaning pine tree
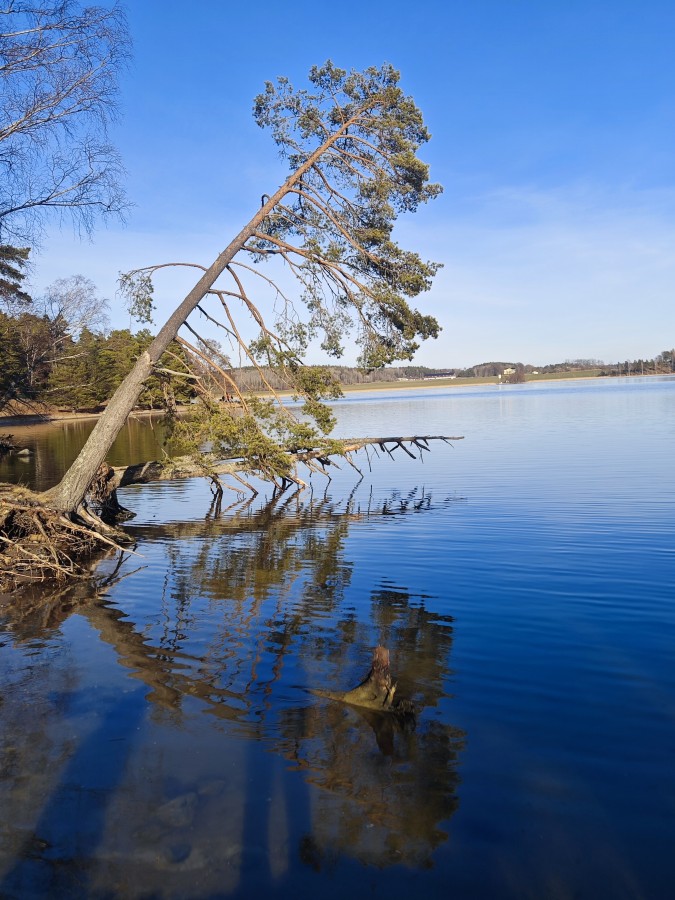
(351, 141)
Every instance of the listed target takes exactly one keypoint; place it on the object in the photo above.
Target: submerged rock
(178, 812)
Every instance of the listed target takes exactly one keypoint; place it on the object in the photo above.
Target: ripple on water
(523, 582)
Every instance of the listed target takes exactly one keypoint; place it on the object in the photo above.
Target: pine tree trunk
(68, 495)
(70, 492)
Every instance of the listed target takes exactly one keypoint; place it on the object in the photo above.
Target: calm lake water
(158, 737)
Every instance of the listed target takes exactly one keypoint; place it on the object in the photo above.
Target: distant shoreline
(416, 384)
(47, 416)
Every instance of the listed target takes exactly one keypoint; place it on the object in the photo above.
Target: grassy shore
(416, 384)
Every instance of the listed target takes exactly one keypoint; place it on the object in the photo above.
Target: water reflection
(386, 787)
(54, 446)
(254, 609)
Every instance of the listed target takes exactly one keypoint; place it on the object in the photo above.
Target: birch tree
(59, 70)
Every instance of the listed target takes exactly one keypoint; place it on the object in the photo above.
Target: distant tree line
(662, 364)
(251, 379)
(56, 350)
(501, 369)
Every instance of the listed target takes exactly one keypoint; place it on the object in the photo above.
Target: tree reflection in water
(255, 609)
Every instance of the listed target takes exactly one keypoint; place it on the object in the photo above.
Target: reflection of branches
(36, 609)
(380, 814)
(159, 668)
(255, 612)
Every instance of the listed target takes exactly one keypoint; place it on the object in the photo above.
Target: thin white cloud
(547, 275)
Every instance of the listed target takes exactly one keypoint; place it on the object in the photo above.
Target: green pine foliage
(351, 140)
(41, 363)
(12, 370)
(336, 229)
(13, 262)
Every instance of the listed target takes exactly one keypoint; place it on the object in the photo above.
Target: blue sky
(553, 133)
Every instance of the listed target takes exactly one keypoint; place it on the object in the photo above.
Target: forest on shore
(58, 353)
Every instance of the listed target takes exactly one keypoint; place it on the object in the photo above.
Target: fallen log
(38, 541)
(188, 467)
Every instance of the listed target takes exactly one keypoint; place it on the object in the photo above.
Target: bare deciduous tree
(71, 304)
(59, 66)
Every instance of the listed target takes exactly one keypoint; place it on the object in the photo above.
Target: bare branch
(144, 473)
(59, 68)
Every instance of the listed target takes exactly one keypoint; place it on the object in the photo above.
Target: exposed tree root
(39, 544)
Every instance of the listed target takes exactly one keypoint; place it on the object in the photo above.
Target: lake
(159, 737)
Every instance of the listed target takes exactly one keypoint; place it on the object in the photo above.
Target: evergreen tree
(351, 141)
(12, 371)
(13, 262)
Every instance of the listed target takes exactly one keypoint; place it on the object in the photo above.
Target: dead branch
(187, 467)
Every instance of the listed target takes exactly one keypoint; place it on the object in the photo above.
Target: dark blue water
(157, 732)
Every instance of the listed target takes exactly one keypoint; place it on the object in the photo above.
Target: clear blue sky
(553, 125)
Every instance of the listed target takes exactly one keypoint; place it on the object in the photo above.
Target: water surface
(158, 734)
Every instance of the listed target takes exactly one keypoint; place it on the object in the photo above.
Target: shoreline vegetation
(42, 414)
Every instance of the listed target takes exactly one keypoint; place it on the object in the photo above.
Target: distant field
(556, 376)
(459, 382)
(416, 383)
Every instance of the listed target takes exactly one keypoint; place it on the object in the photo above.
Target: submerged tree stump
(376, 691)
